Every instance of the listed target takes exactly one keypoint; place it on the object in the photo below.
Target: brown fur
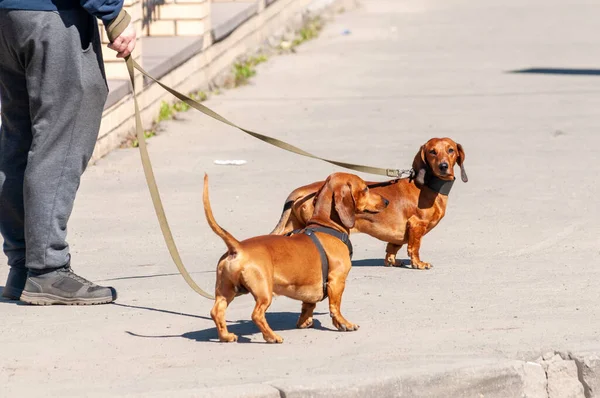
(413, 211)
(291, 265)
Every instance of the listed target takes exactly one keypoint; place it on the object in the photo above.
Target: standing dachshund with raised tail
(417, 204)
(308, 266)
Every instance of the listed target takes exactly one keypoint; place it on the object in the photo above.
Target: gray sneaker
(62, 286)
(14, 283)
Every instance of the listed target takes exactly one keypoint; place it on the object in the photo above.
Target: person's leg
(15, 140)
(67, 89)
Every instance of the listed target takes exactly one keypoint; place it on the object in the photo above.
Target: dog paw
(421, 265)
(306, 324)
(345, 326)
(350, 327)
(274, 339)
(390, 261)
(229, 338)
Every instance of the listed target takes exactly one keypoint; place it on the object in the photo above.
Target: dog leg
(390, 254)
(306, 316)
(258, 316)
(223, 296)
(416, 230)
(335, 289)
(261, 286)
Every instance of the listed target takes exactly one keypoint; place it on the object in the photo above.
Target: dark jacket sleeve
(106, 10)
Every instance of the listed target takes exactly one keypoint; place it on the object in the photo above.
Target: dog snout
(444, 166)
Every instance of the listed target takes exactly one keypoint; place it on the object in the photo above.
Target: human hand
(125, 42)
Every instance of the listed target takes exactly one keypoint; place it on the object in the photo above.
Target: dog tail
(283, 220)
(233, 245)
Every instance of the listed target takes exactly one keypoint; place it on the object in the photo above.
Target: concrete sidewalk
(516, 258)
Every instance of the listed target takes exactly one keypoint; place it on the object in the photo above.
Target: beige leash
(114, 30)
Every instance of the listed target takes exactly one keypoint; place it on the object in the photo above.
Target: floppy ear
(460, 160)
(344, 205)
(420, 166)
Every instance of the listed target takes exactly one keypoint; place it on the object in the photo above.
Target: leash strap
(114, 29)
(154, 193)
(270, 140)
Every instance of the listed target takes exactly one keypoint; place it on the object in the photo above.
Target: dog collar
(440, 186)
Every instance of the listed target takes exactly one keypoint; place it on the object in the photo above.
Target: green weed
(309, 31)
(243, 70)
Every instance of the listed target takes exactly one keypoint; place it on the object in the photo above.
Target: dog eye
(450, 150)
(433, 152)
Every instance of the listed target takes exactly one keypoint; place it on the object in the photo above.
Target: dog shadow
(278, 321)
(243, 328)
(378, 262)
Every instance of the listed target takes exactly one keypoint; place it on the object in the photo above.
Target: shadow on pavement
(163, 311)
(277, 320)
(152, 276)
(559, 71)
(378, 262)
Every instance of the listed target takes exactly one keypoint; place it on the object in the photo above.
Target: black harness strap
(344, 237)
(324, 260)
(310, 232)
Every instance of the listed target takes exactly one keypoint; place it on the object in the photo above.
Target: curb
(507, 379)
(498, 380)
(239, 391)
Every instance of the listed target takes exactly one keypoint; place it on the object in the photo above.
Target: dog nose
(443, 166)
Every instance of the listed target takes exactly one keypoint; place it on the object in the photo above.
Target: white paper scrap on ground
(230, 162)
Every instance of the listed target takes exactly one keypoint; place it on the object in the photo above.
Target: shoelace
(69, 273)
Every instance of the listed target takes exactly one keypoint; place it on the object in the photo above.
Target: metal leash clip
(395, 173)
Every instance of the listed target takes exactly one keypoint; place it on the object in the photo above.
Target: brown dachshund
(416, 204)
(292, 266)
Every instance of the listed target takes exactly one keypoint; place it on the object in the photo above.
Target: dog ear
(420, 166)
(461, 160)
(344, 205)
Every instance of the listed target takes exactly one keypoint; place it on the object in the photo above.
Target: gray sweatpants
(52, 91)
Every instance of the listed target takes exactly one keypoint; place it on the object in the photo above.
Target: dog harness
(324, 261)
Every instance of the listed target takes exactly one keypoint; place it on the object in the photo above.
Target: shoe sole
(49, 299)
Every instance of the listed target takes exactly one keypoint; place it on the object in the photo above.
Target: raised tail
(283, 220)
(233, 245)
(289, 220)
